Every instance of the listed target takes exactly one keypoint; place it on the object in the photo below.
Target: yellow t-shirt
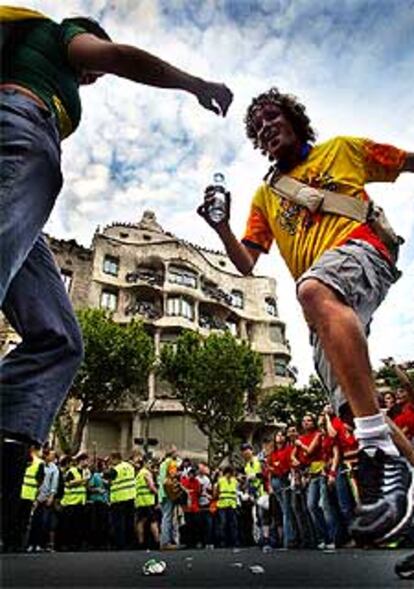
(342, 164)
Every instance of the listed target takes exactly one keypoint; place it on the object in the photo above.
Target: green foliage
(115, 369)
(289, 404)
(117, 361)
(387, 373)
(211, 377)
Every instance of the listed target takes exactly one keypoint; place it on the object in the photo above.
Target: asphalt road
(203, 568)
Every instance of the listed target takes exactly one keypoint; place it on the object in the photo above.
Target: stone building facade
(140, 270)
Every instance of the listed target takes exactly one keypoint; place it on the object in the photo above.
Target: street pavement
(206, 568)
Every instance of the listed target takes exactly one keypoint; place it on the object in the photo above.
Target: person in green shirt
(42, 69)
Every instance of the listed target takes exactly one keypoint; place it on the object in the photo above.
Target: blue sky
(350, 62)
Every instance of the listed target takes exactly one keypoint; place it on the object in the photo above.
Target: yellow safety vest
(227, 490)
(30, 485)
(123, 487)
(74, 495)
(144, 496)
(254, 468)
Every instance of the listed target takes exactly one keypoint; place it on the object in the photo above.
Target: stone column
(124, 441)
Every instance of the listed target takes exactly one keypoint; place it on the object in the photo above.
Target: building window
(67, 276)
(271, 306)
(179, 306)
(280, 367)
(237, 299)
(182, 276)
(276, 334)
(111, 265)
(109, 300)
(123, 235)
(232, 327)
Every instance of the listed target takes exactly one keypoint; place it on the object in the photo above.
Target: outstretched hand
(215, 97)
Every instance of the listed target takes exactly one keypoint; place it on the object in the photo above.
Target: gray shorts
(361, 277)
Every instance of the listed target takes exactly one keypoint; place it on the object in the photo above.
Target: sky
(138, 148)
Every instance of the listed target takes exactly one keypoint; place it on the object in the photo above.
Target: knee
(68, 345)
(317, 300)
(310, 294)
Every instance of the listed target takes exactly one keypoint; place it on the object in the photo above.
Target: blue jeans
(36, 375)
(281, 488)
(228, 533)
(167, 522)
(346, 501)
(320, 509)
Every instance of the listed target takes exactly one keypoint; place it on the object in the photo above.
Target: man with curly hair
(343, 270)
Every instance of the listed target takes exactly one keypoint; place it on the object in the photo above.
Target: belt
(25, 92)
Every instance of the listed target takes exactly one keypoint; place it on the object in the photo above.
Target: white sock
(374, 431)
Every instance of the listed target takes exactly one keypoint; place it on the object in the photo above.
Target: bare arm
(406, 383)
(312, 446)
(332, 433)
(409, 163)
(150, 482)
(88, 52)
(243, 258)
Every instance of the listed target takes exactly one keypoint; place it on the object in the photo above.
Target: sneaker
(330, 546)
(405, 567)
(321, 546)
(386, 488)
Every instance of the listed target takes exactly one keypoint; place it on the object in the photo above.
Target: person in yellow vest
(43, 64)
(145, 499)
(121, 476)
(33, 478)
(226, 492)
(73, 502)
(254, 487)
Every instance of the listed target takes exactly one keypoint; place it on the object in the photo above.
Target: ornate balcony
(151, 277)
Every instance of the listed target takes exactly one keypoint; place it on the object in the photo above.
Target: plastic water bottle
(217, 208)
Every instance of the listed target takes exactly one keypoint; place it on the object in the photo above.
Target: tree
(289, 403)
(115, 370)
(212, 377)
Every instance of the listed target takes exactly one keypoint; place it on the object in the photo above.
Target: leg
(339, 295)
(30, 180)
(316, 513)
(337, 324)
(141, 530)
(36, 375)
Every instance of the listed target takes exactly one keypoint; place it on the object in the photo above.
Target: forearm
(129, 62)
(405, 381)
(139, 66)
(237, 252)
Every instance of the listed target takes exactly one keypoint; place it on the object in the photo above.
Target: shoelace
(379, 477)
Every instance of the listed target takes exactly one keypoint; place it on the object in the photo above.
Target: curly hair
(294, 111)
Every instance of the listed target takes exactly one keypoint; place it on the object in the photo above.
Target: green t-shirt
(39, 62)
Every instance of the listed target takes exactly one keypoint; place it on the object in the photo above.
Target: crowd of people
(298, 490)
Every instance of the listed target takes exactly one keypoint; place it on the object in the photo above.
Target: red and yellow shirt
(342, 164)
